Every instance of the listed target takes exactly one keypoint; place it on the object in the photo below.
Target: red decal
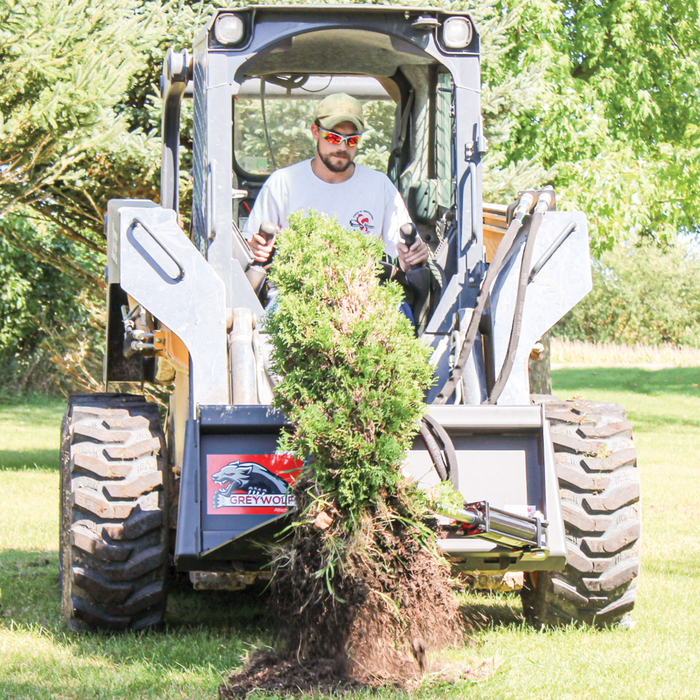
(251, 484)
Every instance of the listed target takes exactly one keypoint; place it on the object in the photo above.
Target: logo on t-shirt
(362, 220)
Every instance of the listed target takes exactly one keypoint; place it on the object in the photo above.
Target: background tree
(612, 115)
(600, 99)
(641, 294)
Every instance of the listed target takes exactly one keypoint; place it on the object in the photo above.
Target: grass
(210, 633)
(578, 352)
(30, 430)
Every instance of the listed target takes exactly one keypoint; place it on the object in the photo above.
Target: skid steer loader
(550, 487)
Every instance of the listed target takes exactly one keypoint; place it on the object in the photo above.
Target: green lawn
(209, 633)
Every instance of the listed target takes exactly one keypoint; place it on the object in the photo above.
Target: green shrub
(354, 375)
(360, 576)
(47, 315)
(641, 294)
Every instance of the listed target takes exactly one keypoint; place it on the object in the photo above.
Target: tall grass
(579, 352)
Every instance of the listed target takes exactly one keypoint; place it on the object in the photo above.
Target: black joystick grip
(267, 230)
(408, 233)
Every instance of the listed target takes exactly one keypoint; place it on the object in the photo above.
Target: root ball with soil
(359, 580)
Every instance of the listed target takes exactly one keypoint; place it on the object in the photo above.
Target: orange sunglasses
(336, 139)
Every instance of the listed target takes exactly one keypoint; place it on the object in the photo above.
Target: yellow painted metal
(170, 348)
(495, 225)
(179, 410)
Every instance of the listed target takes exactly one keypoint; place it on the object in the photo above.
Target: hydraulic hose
(543, 203)
(434, 452)
(440, 447)
(551, 250)
(523, 208)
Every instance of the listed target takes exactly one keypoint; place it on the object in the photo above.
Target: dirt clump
(266, 671)
(375, 622)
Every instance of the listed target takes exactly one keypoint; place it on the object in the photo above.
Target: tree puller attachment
(549, 487)
(499, 526)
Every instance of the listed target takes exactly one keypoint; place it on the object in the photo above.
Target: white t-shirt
(367, 201)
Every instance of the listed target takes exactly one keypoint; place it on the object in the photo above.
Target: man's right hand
(263, 242)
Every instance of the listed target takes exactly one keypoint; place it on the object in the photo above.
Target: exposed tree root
(383, 601)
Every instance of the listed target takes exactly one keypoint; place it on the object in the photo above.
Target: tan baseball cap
(338, 108)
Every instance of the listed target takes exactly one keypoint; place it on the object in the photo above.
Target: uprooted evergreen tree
(360, 579)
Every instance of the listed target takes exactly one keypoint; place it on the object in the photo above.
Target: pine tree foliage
(353, 374)
(66, 66)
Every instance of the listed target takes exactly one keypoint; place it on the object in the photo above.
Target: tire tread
(600, 498)
(114, 536)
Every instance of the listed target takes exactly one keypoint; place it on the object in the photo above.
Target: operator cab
(262, 69)
(408, 95)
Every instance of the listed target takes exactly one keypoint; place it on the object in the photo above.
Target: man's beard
(333, 167)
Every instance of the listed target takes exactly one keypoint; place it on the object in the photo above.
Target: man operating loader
(332, 183)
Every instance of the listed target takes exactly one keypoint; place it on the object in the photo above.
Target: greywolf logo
(260, 486)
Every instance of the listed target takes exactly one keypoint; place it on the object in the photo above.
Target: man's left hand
(417, 254)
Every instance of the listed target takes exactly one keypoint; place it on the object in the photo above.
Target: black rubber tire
(596, 465)
(113, 530)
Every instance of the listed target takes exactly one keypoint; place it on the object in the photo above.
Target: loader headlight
(229, 29)
(457, 33)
